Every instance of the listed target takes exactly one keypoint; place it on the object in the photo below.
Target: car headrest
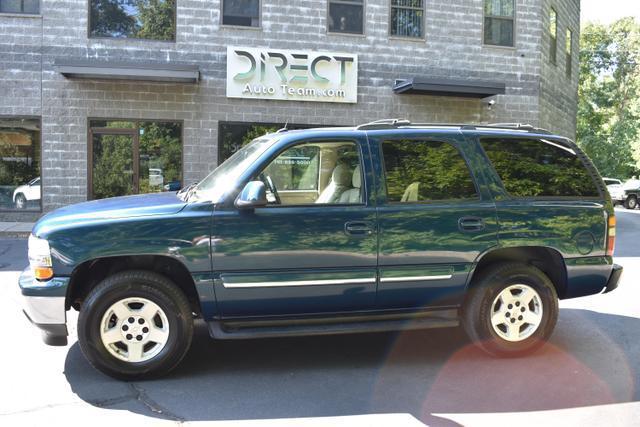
(341, 175)
(356, 179)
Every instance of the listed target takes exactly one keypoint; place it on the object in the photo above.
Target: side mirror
(253, 195)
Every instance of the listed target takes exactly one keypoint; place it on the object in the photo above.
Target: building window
(243, 13)
(425, 171)
(346, 16)
(133, 157)
(31, 7)
(19, 164)
(569, 52)
(553, 34)
(407, 18)
(148, 19)
(499, 22)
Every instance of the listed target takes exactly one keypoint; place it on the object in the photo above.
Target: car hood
(109, 209)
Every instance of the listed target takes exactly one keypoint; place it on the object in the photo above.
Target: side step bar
(244, 329)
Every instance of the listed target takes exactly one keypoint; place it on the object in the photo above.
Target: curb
(14, 234)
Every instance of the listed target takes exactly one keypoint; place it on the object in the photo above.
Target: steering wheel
(272, 187)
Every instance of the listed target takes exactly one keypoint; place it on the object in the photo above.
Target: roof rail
(395, 123)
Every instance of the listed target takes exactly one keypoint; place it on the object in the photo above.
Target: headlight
(40, 258)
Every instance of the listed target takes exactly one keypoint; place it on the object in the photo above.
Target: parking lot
(586, 375)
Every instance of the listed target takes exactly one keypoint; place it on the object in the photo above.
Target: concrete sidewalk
(15, 229)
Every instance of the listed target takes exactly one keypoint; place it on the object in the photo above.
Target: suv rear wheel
(631, 202)
(511, 310)
(135, 324)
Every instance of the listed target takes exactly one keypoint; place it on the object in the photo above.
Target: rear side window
(539, 168)
(424, 171)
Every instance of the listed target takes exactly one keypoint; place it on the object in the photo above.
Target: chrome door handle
(359, 228)
(470, 224)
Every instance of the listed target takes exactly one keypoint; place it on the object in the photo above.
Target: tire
(106, 315)
(631, 202)
(21, 201)
(509, 280)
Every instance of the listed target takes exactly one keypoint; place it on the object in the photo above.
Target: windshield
(216, 184)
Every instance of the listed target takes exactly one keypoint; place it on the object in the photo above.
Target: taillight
(611, 234)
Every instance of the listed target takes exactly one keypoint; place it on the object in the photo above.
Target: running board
(245, 329)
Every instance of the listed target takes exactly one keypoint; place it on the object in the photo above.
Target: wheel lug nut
(509, 306)
(131, 320)
(522, 309)
(518, 304)
(513, 320)
(508, 314)
(129, 336)
(141, 320)
(519, 317)
(125, 328)
(139, 337)
(145, 329)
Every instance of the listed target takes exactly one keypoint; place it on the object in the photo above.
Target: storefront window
(19, 164)
(499, 17)
(131, 157)
(20, 6)
(244, 13)
(138, 19)
(407, 18)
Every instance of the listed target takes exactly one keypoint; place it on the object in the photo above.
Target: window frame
(568, 50)
(424, 22)
(39, 119)
(455, 145)
(241, 27)
(504, 193)
(362, 3)
(135, 131)
(553, 38)
(22, 13)
(173, 40)
(263, 164)
(515, 27)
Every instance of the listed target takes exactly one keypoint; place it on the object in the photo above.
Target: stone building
(109, 97)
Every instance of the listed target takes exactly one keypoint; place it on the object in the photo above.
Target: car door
(296, 256)
(435, 217)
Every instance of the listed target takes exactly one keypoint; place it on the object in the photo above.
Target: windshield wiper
(187, 191)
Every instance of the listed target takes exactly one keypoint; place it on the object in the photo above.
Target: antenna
(284, 129)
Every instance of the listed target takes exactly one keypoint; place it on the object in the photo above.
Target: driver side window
(315, 173)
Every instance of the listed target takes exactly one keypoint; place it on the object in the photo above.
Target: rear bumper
(44, 306)
(612, 283)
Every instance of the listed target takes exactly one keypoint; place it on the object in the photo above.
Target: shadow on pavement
(591, 360)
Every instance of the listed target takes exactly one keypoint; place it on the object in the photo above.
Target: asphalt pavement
(587, 375)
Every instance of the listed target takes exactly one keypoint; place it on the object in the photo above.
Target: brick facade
(537, 92)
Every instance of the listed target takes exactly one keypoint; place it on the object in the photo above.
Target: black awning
(449, 87)
(112, 70)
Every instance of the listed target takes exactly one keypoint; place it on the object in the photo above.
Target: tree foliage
(145, 19)
(609, 90)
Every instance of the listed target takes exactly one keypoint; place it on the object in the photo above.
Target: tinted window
(244, 13)
(136, 19)
(20, 6)
(345, 16)
(19, 163)
(420, 171)
(542, 168)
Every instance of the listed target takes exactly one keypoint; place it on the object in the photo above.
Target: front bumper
(44, 306)
(612, 283)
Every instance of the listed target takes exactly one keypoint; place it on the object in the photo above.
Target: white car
(29, 192)
(155, 177)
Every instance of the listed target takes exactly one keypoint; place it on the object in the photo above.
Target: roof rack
(395, 123)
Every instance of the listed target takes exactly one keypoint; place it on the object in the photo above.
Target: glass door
(113, 169)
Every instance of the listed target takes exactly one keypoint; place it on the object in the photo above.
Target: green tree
(609, 90)
(157, 19)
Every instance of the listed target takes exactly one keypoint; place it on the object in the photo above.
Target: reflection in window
(422, 171)
(115, 169)
(140, 19)
(407, 18)
(530, 168)
(20, 6)
(569, 52)
(499, 22)
(346, 16)
(553, 34)
(19, 163)
(244, 13)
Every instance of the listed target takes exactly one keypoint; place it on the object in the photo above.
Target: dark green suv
(385, 226)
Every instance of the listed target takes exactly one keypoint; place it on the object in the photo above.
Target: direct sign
(291, 75)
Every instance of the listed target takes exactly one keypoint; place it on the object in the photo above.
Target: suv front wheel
(511, 310)
(631, 202)
(135, 324)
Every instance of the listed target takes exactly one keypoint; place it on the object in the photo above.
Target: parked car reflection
(27, 194)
